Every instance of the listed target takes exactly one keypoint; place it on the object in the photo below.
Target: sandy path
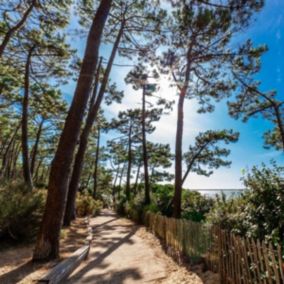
(123, 252)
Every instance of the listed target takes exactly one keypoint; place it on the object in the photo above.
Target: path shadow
(19, 273)
(100, 257)
(105, 223)
(113, 277)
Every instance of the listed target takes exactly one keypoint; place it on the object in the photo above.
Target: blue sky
(267, 28)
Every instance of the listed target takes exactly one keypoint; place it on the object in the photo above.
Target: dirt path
(16, 265)
(125, 253)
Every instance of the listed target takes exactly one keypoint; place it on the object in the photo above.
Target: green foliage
(228, 213)
(86, 205)
(195, 206)
(162, 197)
(206, 154)
(20, 211)
(265, 209)
(259, 211)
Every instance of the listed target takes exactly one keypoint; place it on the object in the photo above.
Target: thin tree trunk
(144, 146)
(120, 180)
(95, 176)
(12, 30)
(25, 146)
(10, 159)
(137, 177)
(114, 184)
(5, 155)
(35, 148)
(89, 177)
(178, 160)
(47, 245)
(37, 170)
(196, 155)
(79, 160)
(129, 160)
(179, 136)
(96, 85)
(15, 159)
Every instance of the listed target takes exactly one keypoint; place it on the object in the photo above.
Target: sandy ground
(123, 252)
(16, 265)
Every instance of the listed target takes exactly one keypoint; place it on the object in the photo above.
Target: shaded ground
(123, 252)
(16, 265)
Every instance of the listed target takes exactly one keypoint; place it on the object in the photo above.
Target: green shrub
(86, 205)
(20, 211)
(229, 214)
(195, 206)
(259, 211)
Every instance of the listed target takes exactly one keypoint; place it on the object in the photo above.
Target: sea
(229, 192)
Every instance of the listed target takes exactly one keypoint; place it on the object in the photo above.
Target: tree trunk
(179, 135)
(15, 159)
(36, 174)
(25, 109)
(114, 184)
(178, 160)
(7, 149)
(95, 176)
(137, 177)
(12, 30)
(129, 160)
(11, 159)
(120, 180)
(35, 148)
(47, 245)
(145, 153)
(92, 114)
(96, 85)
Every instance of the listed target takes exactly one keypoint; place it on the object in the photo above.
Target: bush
(229, 214)
(20, 211)
(162, 197)
(259, 211)
(195, 206)
(86, 205)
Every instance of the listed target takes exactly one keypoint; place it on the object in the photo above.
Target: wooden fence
(238, 260)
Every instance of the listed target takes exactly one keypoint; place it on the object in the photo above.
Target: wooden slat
(238, 260)
(66, 267)
(279, 250)
(275, 265)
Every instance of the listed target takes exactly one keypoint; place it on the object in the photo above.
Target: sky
(267, 28)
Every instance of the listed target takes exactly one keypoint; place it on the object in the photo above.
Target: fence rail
(238, 260)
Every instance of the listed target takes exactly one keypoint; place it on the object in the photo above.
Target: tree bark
(137, 177)
(47, 245)
(120, 179)
(95, 176)
(113, 186)
(7, 149)
(129, 160)
(15, 159)
(25, 113)
(92, 114)
(147, 199)
(179, 136)
(35, 148)
(12, 30)
(178, 160)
